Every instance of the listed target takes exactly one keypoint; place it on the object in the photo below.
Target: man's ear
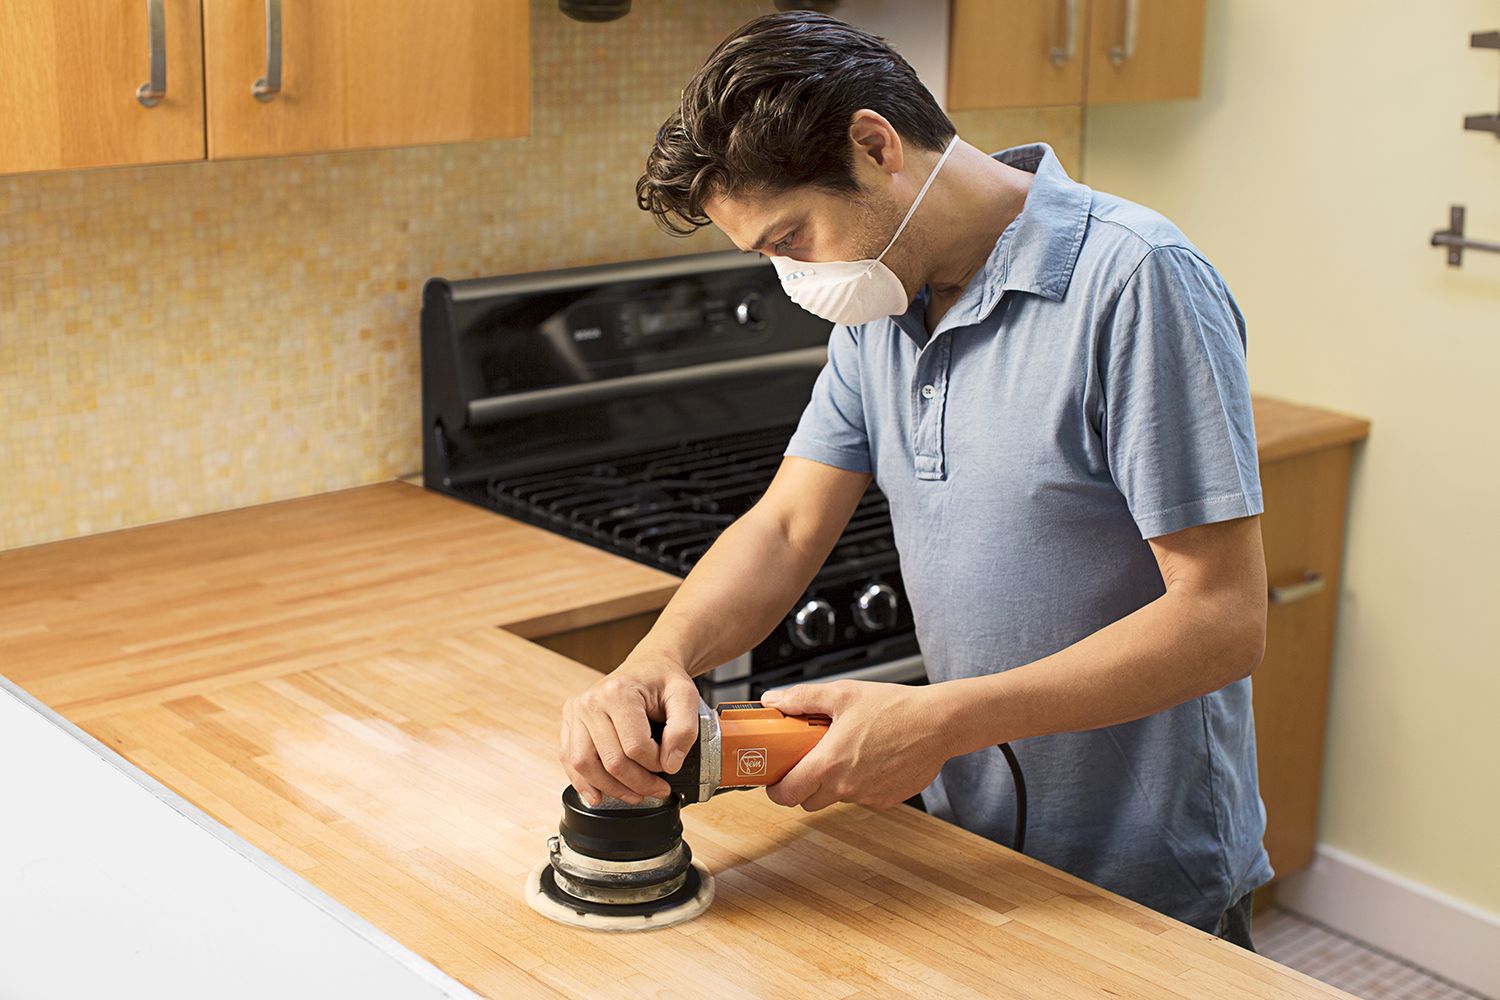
(876, 143)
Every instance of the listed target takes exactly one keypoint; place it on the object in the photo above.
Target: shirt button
(928, 391)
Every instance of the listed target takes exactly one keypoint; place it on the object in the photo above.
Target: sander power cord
(1019, 844)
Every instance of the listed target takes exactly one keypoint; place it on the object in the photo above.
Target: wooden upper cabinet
(1015, 53)
(1144, 50)
(364, 73)
(1033, 53)
(69, 75)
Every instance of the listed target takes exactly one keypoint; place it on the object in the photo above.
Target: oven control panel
(678, 318)
(841, 614)
(521, 334)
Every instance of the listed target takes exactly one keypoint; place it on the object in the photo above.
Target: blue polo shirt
(1087, 392)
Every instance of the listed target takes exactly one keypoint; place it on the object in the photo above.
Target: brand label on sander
(750, 762)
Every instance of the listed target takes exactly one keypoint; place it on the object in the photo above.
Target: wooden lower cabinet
(1303, 532)
(1306, 456)
(603, 646)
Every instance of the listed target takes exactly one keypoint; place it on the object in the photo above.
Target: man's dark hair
(770, 111)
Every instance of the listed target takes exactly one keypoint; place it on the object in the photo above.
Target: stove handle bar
(494, 409)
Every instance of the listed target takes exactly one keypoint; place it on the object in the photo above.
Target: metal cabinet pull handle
(1312, 582)
(153, 90)
(1118, 54)
(268, 86)
(1069, 47)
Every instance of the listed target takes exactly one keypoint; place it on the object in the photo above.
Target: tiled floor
(1346, 963)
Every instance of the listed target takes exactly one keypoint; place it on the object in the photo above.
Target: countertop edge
(361, 927)
(1319, 428)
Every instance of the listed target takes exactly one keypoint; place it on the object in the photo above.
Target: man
(1048, 383)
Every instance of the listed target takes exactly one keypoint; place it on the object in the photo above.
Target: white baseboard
(1457, 941)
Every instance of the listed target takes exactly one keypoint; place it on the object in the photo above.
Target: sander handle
(741, 744)
(759, 744)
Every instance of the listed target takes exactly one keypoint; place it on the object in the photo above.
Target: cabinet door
(364, 73)
(69, 75)
(1144, 50)
(1016, 53)
(1303, 528)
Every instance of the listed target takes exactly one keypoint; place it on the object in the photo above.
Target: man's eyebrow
(766, 234)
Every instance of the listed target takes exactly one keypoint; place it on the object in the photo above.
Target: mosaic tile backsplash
(188, 338)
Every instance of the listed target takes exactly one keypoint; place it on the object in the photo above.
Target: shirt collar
(1044, 240)
(1036, 253)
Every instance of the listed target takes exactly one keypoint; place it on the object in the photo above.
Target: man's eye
(780, 246)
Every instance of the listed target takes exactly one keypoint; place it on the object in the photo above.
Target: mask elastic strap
(921, 192)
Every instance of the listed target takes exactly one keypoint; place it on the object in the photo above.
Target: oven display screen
(659, 322)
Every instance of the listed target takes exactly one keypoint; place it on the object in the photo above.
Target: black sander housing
(618, 866)
(626, 861)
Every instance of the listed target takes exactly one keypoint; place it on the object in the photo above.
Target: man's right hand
(607, 747)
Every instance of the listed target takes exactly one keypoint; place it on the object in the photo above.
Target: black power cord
(1019, 846)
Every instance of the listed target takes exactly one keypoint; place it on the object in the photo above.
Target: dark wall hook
(1484, 123)
(1454, 239)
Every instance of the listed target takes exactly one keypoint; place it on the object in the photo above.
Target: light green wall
(1325, 150)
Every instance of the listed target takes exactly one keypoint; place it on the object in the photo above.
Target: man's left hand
(885, 743)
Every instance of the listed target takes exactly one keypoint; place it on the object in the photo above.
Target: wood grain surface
(418, 787)
(1303, 529)
(1167, 64)
(1283, 430)
(68, 85)
(359, 74)
(1000, 56)
(149, 613)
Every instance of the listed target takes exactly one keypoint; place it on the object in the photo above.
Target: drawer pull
(268, 86)
(1120, 54)
(154, 89)
(1069, 48)
(1312, 582)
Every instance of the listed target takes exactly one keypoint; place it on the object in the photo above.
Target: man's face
(812, 224)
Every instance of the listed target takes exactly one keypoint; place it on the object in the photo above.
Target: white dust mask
(852, 291)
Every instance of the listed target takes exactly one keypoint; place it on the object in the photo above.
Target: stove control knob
(750, 311)
(876, 608)
(813, 625)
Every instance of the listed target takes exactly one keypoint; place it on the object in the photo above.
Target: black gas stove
(641, 408)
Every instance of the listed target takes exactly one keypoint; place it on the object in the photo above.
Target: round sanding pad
(544, 900)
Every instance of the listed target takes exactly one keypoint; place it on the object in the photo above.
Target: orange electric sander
(626, 867)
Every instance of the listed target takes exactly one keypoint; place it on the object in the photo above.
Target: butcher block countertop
(145, 614)
(418, 786)
(325, 677)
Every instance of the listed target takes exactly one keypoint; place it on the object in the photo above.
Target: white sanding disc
(563, 914)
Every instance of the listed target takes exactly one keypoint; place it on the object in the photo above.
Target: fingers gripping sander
(622, 867)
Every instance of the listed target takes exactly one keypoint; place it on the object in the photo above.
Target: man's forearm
(1176, 648)
(736, 594)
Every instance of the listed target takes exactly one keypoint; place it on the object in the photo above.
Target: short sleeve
(832, 428)
(1178, 428)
